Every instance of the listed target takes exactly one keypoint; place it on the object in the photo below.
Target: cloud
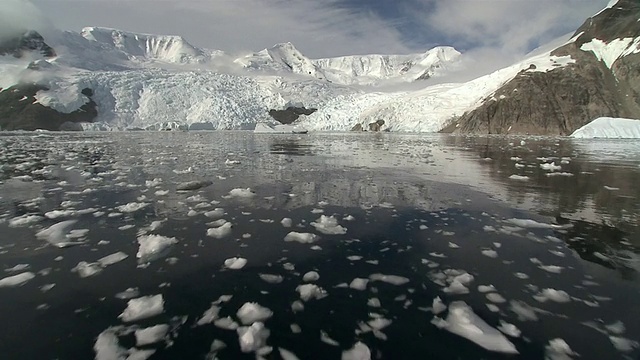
(17, 16)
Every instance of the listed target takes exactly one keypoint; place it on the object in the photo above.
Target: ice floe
(153, 246)
(151, 335)
(359, 351)
(389, 279)
(16, 280)
(462, 321)
(251, 312)
(220, 231)
(310, 276)
(328, 225)
(304, 238)
(558, 349)
(235, 263)
(58, 234)
(311, 291)
(142, 308)
(253, 337)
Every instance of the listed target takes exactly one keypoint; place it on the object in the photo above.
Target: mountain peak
(29, 41)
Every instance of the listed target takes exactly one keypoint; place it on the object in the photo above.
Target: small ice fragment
(220, 232)
(297, 306)
(235, 263)
(523, 310)
(509, 329)
(142, 308)
(438, 306)
(519, 177)
(241, 193)
(374, 302)
(56, 234)
(462, 321)
(252, 337)
(379, 323)
(490, 253)
(495, 298)
(209, 316)
(559, 296)
(389, 279)
(18, 267)
(193, 185)
(16, 280)
(558, 349)
(286, 222)
(271, 278)
(359, 284)
(112, 259)
(250, 312)
(610, 188)
(311, 276)
(295, 328)
(132, 207)
(354, 258)
(303, 238)
(617, 328)
(226, 323)
(129, 293)
(486, 288)
(325, 338)
(85, 269)
(107, 346)
(311, 291)
(623, 344)
(215, 213)
(287, 355)
(153, 246)
(328, 225)
(151, 335)
(359, 351)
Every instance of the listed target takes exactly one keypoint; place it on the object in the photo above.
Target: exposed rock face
(357, 127)
(29, 41)
(560, 100)
(376, 125)
(19, 112)
(290, 114)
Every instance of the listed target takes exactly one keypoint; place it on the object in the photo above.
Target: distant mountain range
(108, 79)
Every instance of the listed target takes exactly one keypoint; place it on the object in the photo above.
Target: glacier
(158, 82)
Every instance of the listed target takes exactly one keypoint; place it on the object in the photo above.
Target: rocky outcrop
(30, 41)
(376, 125)
(20, 111)
(561, 100)
(290, 114)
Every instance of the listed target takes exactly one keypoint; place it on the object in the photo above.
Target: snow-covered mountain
(123, 80)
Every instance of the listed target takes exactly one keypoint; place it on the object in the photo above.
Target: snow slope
(607, 127)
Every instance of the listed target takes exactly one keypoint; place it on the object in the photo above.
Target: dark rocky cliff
(560, 100)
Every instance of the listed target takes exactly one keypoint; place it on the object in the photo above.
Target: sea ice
(57, 234)
(286, 222)
(438, 306)
(359, 351)
(287, 355)
(16, 280)
(241, 193)
(558, 349)
(209, 316)
(271, 278)
(220, 232)
(311, 276)
(226, 323)
(85, 269)
(311, 291)
(250, 312)
(112, 259)
(253, 337)
(328, 225)
(462, 321)
(303, 238)
(152, 246)
(359, 284)
(559, 296)
(509, 329)
(389, 279)
(132, 207)
(235, 263)
(151, 335)
(142, 308)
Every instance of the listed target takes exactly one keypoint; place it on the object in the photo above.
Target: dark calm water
(553, 224)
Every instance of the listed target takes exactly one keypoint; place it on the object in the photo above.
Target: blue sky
(323, 28)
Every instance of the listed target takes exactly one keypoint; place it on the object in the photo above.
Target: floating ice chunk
(232, 162)
(252, 337)
(18, 267)
(16, 280)
(519, 177)
(359, 284)
(209, 316)
(495, 298)
(235, 263)
(379, 323)
(303, 238)
(453, 245)
(354, 257)
(132, 207)
(112, 259)
(24, 220)
(456, 288)
(153, 246)
(438, 306)
(57, 234)
(151, 335)
(142, 308)
(193, 185)
(251, 312)
(558, 349)
(520, 275)
(220, 231)
(374, 302)
(550, 167)
(271, 278)
(311, 276)
(287, 355)
(559, 296)
(509, 329)
(286, 222)
(226, 323)
(107, 346)
(85, 269)
(129, 293)
(328, 225)
(389, 279)
(528, 223)
(161, 192)
(311, 291)
(462, 321)
(186, 171)
(359, 351)
(523, 310)
(241, 193)
(138, 354)
(153, 183)
(617, 328)
(486, 288)
(490, 253)
(47, 287)
(325, 338)
(623, 344)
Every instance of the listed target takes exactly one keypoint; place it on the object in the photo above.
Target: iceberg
(608, 127)
(279, 129)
